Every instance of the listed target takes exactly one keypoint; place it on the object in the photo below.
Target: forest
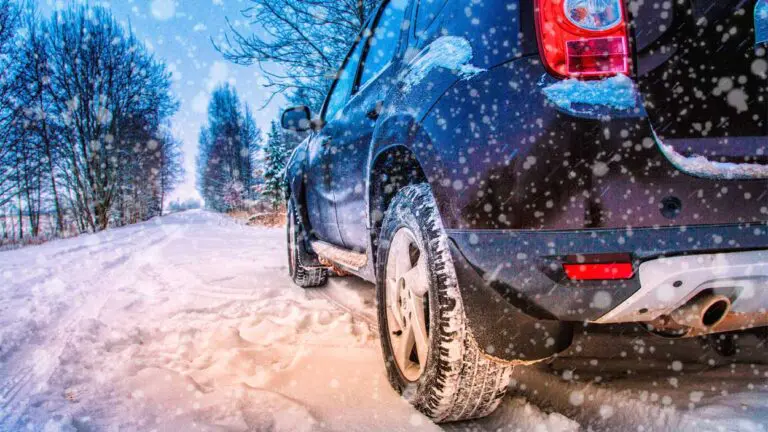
(85, 141)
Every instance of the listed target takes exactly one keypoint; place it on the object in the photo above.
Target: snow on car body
(576, 161)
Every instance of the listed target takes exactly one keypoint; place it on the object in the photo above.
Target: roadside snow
(448, 52)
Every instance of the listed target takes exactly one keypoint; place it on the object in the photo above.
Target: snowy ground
(189, 322)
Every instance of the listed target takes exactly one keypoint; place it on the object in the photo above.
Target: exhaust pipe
(703, 312)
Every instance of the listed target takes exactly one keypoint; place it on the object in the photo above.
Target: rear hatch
(704, 76)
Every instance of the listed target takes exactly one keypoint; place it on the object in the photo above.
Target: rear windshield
(498, 30)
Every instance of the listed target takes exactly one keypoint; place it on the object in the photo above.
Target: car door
(321, 181)
(349, 153)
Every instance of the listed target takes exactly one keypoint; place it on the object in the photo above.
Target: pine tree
(276, 154)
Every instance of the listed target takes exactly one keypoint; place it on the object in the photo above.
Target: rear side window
(384, 42)
(346, 79)
(427, 12)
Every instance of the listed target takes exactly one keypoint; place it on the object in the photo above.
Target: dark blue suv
(508, 170)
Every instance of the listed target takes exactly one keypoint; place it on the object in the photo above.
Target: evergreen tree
(276, 154)
(252, 145)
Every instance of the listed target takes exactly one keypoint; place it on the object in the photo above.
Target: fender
(401, 130)
(294, 173)
(412, 131)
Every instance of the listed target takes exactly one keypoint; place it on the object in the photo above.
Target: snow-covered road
(190, 322)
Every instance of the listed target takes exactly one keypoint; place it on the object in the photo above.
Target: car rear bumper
(518, 298)
(668, 283)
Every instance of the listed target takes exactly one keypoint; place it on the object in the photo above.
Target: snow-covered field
(190, 322)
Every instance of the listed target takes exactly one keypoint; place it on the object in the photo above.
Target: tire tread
(303, 276)
(466, 384)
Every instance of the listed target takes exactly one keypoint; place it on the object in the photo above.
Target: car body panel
(321, 184)
(523, 184)
(350, 196)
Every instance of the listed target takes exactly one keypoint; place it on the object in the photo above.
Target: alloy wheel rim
(407, 286)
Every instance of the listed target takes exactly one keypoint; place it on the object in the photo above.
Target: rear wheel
(303, 276)
(430, 357)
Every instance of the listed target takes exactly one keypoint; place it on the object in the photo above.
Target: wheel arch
(401, 154)
(294, 177)
(294, 188)
(393, 168)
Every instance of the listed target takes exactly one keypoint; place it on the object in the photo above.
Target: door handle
(375, 112)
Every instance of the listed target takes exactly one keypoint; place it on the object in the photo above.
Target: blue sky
(179, 33)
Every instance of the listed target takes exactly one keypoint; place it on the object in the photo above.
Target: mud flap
(500, 329)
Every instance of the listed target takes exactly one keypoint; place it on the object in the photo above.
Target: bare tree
(297, 44)
(84, 122)
(171, 169)
(36, 93)
(110, 94)
(10, 131)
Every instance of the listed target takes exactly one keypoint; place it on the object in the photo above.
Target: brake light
(612, 271)
(583, 38)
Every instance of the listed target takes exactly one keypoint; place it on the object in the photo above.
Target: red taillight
(580, 40)
(598, 271)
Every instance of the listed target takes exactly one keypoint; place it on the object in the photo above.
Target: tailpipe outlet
(703, 312)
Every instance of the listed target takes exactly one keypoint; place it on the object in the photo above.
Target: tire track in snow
(20, 387)
(43, 367)
(323, 294)
(11, 388)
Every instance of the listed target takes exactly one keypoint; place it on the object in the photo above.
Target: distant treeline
(84, 122)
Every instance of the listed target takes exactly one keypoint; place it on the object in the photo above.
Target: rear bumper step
(667, 284)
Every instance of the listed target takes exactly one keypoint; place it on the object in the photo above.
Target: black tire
(458, 381)
(303, 276)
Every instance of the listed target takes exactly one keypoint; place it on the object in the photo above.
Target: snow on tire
(303, 276)
(452, 380)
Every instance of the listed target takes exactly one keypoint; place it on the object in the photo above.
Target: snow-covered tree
(227, 142)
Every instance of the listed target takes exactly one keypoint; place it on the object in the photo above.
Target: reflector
(597, 56)
(611, 271)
